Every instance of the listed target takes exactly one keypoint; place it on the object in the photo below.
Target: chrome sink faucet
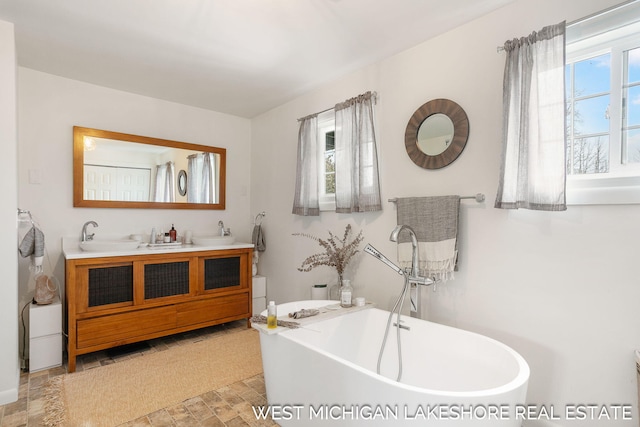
(86, 236)
(224, 231)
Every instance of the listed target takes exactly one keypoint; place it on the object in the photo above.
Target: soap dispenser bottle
(173, 234)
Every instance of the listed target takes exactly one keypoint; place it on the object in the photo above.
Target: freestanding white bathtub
(325, 374)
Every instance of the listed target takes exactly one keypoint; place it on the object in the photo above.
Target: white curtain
(305, 200)
(357, 183)
(165, 178)
(533, 173)
(202, 172)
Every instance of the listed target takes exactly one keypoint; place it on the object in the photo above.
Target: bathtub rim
(521, 378)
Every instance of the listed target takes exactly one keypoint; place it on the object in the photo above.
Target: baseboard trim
(8, 396)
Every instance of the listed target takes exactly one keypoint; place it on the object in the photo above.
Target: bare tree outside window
(587, 112)
(590, 155)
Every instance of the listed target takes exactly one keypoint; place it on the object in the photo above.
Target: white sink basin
(213, 240)
(109, 245)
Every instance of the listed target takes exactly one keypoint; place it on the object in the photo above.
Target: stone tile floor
(229, 406)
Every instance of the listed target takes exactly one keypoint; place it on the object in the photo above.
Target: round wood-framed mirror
(182, 183)
(436, 134)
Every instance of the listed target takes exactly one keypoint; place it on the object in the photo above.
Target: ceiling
(241, 57)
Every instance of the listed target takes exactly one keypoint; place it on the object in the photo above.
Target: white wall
(49, 107)
(561, 288)
(9, 367)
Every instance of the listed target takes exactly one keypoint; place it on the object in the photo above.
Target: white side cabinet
(259, 294)
(45, 336)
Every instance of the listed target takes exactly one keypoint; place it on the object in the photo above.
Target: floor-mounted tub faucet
(412, 279)
(86, 236)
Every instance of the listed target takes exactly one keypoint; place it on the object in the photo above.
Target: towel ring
(259, 218)
(26, 212)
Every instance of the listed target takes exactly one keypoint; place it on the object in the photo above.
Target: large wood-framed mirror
(118, 170)
(436, 134)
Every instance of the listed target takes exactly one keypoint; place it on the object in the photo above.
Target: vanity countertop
(71, 249)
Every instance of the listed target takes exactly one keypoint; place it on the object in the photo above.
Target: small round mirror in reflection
(435, 134)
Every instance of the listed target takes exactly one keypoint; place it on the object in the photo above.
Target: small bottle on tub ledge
(346, 294)
(272, 315)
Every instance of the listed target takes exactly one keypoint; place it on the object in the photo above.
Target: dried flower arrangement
(337, 252)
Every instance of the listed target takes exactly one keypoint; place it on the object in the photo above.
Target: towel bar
(478, 197)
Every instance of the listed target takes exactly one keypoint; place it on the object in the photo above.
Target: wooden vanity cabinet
(113, 301)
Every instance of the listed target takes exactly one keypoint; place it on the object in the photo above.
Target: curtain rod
(478, 197)
(501, 48)
(373, 94)
(586, 18)
(316, 114)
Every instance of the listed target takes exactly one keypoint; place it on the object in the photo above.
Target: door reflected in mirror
(128, 171)
(435, 134)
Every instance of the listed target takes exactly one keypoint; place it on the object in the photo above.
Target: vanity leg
(71, 348)
(71, 363)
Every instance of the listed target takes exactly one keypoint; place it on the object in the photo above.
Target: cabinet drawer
(118, 327)
(207, 310)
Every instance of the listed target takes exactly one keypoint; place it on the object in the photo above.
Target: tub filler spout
(414, 275)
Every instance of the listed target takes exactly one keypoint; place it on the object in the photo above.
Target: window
(327, 158)
(336, 155)
(603, 108)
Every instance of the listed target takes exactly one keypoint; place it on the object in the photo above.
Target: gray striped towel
(33, 244)
(257, 238)
(435, 222)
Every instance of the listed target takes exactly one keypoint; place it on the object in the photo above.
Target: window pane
(567, 81)
(632, 141)
(330, 141)
(592, 76)
(330, 173)
(633, 106)
(590, 155)
(633, 66)
(330, 162)
(632, 89)
(330, 184)
(591, 116)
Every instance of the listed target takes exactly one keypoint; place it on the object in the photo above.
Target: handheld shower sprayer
(397, 308)
(376, 253)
